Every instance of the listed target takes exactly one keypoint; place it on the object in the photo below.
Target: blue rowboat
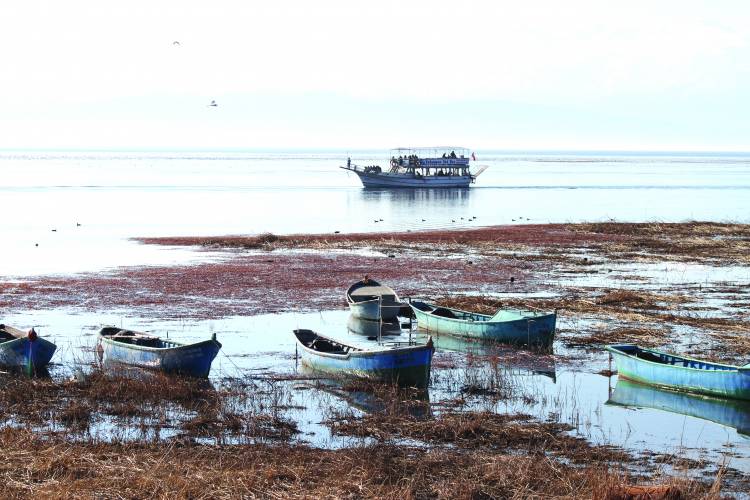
(127, 347)
(368, 299)
(510, 326)
(729, 412)
(406, 365)
(24, 351)
(681, 373)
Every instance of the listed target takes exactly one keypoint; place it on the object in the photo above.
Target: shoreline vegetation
(649, 283)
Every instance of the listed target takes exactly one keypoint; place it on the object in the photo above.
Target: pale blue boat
(372, 329)
(126, 347)
(681, 373)
(370, 300)
(510, 326)
(24, 351)
(394, 362)
(732, 413)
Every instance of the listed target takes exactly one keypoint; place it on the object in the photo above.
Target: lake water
(116, 196)
(74, 212)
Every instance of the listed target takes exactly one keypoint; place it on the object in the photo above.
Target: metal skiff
(24, 351)
(406, 365)
(127, 347)
(512, 326)
(681, 373)
(370, 300)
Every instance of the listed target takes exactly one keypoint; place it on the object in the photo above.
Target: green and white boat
(510, 326)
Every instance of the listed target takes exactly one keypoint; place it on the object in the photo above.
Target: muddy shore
(679, 286)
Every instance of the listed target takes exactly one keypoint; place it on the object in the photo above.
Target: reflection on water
(729, 412)
(538, 363)
(414, 197)
(364, 398)
(371, 329)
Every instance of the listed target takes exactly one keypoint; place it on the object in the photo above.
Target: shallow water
(116, 196)
(74, 212)
(262, 347)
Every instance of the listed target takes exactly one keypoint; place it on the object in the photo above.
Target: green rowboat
(511, 326)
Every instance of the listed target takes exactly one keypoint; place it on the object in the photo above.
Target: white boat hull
(408, 180)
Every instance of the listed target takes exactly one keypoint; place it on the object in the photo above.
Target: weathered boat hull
(729, 412)
(26, 355)
(190, 359)
(371, 310)
(406, 366)
(389, 180)
(536, 330)
(681, 373)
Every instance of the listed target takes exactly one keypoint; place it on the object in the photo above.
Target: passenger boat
(681, 373)
(397, 362)
(127, 347)
(24, 351)
(368, 299)
(510, 326)
(438, 167)
(729, 412)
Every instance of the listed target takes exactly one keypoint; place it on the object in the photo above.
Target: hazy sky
(645, 75)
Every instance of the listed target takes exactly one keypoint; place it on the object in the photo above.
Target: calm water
(115, 196)
(74, 212)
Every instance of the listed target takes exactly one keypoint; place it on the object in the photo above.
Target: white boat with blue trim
(436, 167)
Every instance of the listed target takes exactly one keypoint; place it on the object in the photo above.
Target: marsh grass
(141, 401)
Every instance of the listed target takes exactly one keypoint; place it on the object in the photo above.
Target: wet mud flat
(496, 422)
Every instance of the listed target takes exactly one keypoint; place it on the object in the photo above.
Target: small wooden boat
(147, 351)
(681, 373)
(24, 351)
(511, 326)
(733, 413)
(406, 365)
(368, 299)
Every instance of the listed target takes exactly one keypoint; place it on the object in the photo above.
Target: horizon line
(243, 149)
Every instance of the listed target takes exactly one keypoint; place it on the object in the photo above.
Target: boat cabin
(435, 161)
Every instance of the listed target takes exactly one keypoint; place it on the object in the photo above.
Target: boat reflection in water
(413, 402)
(418, 197)
(729, 412)
(527, 360)
(371, 329)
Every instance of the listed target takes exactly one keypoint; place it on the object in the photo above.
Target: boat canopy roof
(431, 152)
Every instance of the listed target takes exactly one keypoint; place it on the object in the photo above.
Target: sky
(574, 75)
